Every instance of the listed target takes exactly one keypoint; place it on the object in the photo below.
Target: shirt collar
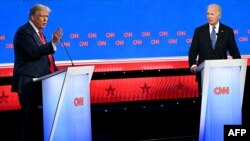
(216, 29)
(32, 24)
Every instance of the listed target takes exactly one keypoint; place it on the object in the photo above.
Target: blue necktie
(213, 37)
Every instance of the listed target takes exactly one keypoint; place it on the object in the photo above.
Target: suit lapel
(34, 34)
(37, 39)
(219, 36)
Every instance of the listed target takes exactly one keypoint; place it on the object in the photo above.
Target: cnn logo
(221, 90)
(78, 101)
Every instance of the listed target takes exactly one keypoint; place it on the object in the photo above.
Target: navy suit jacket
(31, 58)
(201, 45)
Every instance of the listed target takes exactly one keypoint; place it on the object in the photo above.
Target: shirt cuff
(193, 66)
(54, 46)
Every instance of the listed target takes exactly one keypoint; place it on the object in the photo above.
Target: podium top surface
(221, 63)
(70, 70)
(48, 75)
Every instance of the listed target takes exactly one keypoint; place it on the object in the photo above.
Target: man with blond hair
(33, 59)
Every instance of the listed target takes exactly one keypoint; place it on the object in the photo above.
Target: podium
(66, 104)
(223, 83)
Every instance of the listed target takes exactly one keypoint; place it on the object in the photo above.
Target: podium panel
(66, 105)
(222, 94)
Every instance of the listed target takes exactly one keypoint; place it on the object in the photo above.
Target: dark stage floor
(170, 120)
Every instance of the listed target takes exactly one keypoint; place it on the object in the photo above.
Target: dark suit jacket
(201, 45)
(31, 58)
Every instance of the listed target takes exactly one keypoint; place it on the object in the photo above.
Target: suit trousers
(31, 112)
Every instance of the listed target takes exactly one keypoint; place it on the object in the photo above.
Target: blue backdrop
(122, 29)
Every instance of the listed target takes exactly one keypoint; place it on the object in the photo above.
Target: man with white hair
(212, 40)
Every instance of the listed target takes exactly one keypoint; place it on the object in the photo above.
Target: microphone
(72, 64)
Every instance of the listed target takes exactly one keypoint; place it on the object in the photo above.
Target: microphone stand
(72, 64)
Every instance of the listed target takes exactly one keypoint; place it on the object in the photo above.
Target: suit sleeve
(232, 47)
(26, 43)
(193, 50)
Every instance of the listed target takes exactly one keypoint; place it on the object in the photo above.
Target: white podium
(66, 104)
(223, 83)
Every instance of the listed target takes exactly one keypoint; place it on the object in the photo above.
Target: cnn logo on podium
(221, 90)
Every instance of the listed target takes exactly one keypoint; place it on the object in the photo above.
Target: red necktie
(51, 60)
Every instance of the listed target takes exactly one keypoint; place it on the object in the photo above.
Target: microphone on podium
(72, 64)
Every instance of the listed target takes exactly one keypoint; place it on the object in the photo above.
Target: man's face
(213, 15)
(40, 19)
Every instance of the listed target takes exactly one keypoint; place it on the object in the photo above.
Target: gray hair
(38, 7)
(215, 5)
